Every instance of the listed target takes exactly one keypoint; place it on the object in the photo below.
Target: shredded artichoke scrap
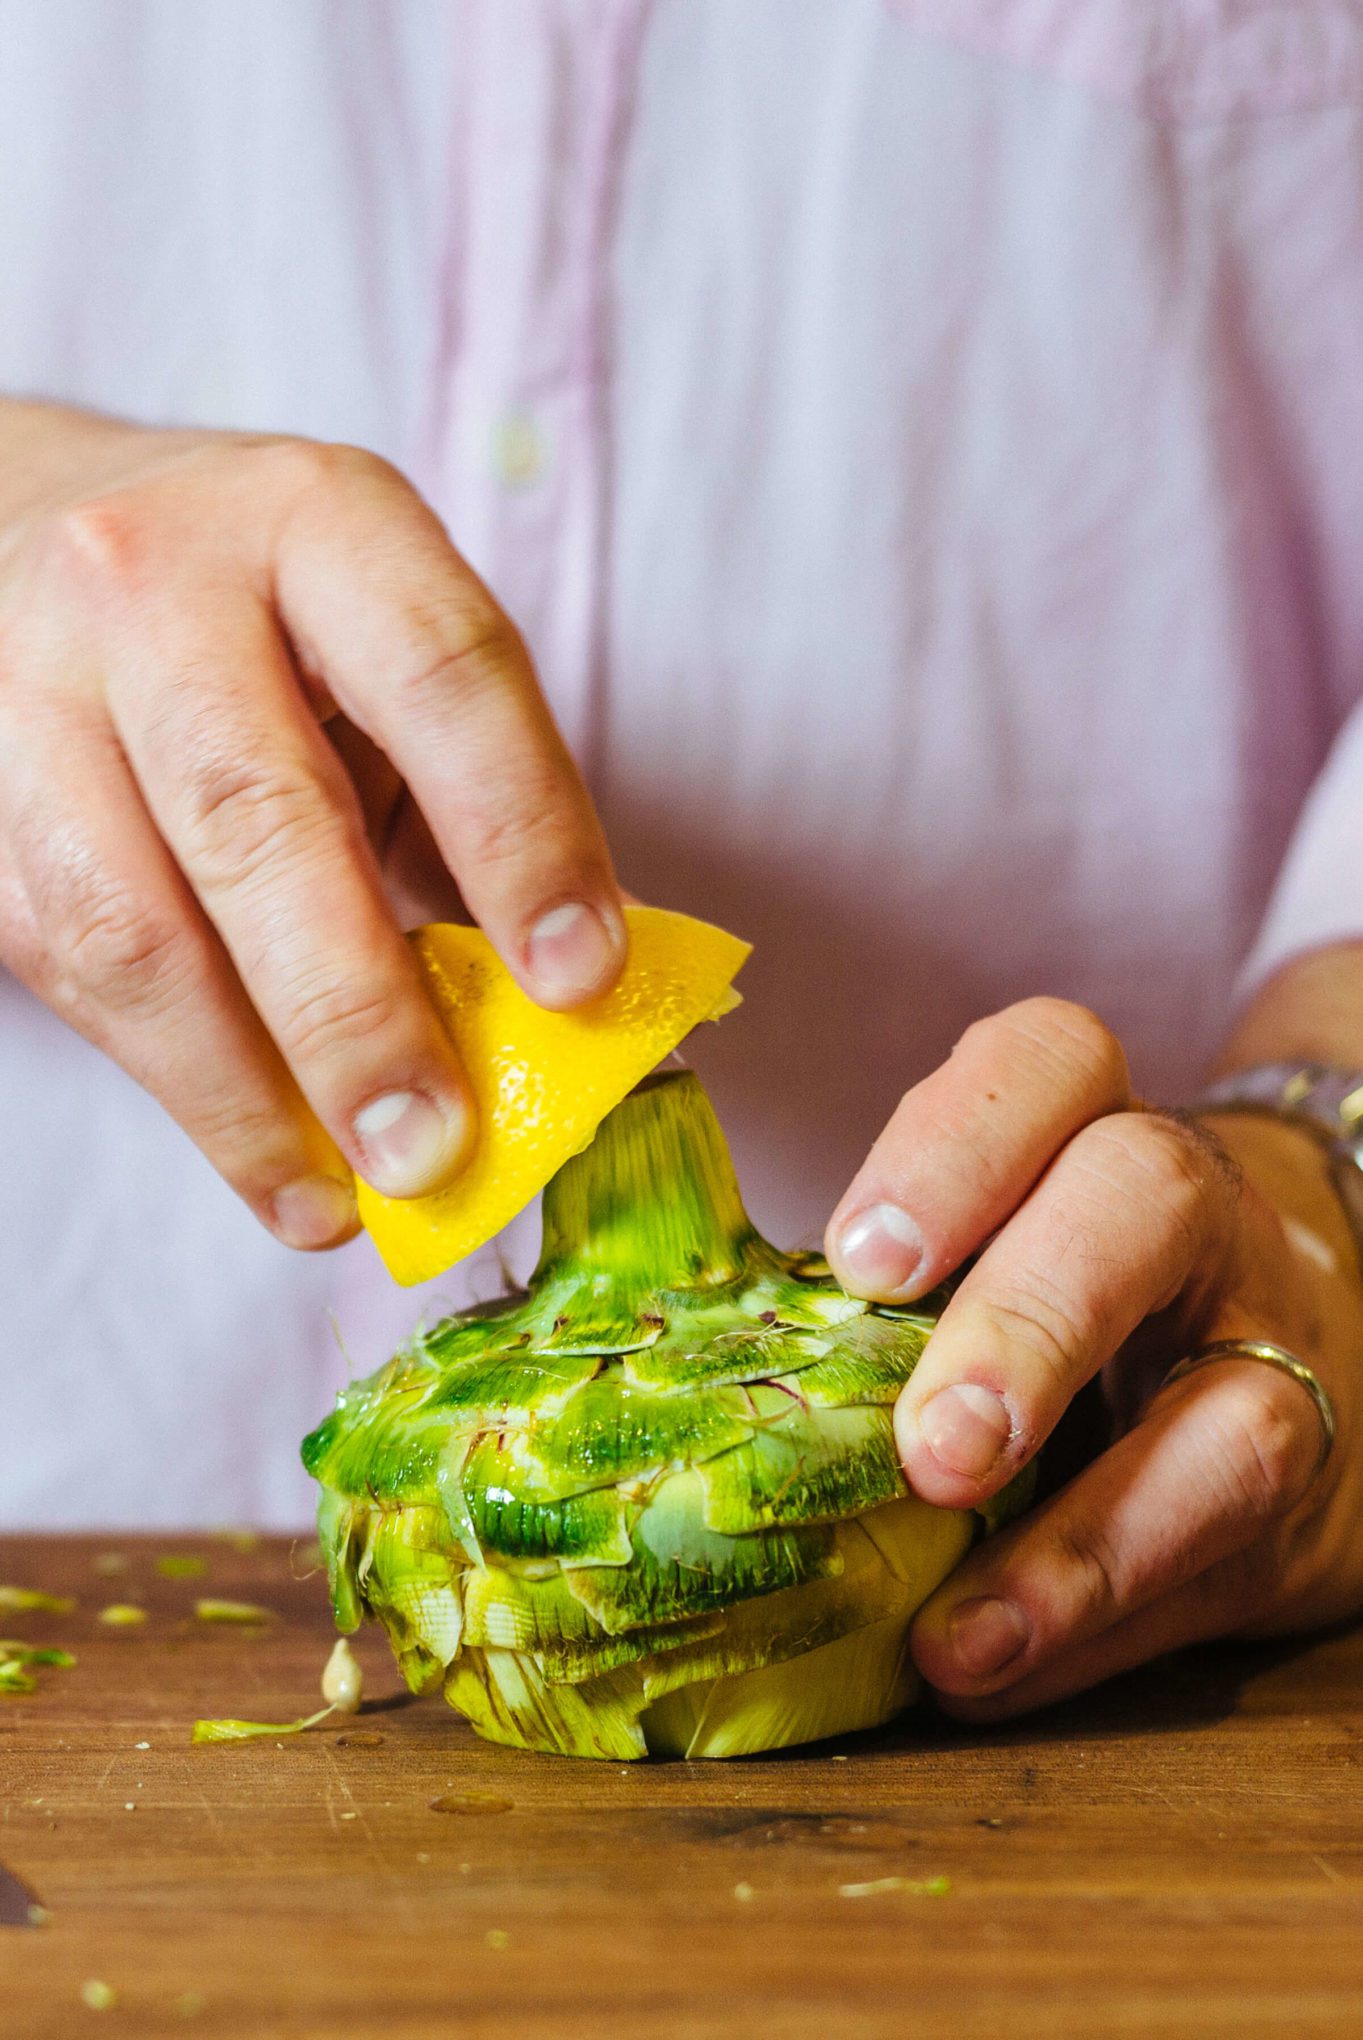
(342, 1689)
(21, 1662)
(31, 1601)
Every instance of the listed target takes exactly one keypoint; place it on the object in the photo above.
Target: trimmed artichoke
(651, 1506)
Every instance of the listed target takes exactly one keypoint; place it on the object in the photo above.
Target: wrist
(1309, 1011)
(1288, 1167)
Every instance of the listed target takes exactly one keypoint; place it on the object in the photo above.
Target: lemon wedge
(543, 1082)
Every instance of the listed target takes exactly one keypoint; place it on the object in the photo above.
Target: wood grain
(1181, 1854)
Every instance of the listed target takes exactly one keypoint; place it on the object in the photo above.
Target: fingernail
(572, 951)
(881, 1249)
(965, 1427)
(986, 1634)
(313, 1211)
(410, 1144)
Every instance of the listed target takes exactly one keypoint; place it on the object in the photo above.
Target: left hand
(1115, 1240)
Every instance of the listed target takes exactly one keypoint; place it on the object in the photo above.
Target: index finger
(407, 640)
(968, 1143)
(259, 815)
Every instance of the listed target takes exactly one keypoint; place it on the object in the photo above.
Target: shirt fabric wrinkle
(916, 440)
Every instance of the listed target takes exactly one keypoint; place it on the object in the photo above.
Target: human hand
(1114, 1240)
(225, 664)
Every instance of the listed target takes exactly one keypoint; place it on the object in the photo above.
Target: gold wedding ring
(1272, 1356)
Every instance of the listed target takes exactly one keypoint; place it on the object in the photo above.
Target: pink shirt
(920, 440)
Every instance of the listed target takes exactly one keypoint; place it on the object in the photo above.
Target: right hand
(195, 631)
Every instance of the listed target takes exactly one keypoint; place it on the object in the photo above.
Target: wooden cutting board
(1181, 1854)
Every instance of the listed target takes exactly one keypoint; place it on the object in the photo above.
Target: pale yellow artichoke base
(859, 1677)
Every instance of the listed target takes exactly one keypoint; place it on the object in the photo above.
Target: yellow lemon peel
(542, 1081)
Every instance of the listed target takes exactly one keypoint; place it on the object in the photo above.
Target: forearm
(1312, 1011)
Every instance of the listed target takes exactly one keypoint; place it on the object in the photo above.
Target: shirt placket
(519, 456)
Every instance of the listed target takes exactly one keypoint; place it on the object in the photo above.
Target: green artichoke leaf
(694, 1355)
(509, 1700)
(865, 1360)
(805, 1305)
(509, 1611)
(789, 1622)
(383, 1448)
(569, 1310)
(584, 1529)
(610, 1432)
(341, 1532)
(681, 1567)
(573, 1664)
(510, 1386)
(602, 1324)
(801, 1469)
(499, 1326)
(414, 1589)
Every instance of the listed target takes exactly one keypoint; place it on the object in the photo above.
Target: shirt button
(519, 450)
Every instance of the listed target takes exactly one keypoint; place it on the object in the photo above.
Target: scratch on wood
(362, 1821)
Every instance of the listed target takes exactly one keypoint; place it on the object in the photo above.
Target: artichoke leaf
(511, 1387)
(867, 1360)
(788, 1623)
(919, 1544)
(801, 1471)
(688, 1359)
(509, 1700)
(583, 1529)
(386, 1449)
(414, 1588)
(610, 1432)
(857, 1681)
(681, 1567)
(507, 1611)
(341, 1532)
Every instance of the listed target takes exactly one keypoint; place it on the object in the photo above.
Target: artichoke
(652, 1504)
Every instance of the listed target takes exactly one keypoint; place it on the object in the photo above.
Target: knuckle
(1147, 1159)
(21, 948)
(1044, 1325)
(526, 825)
(333, 1017)
(118, 950)
(100, 544)
(1057, 1040)
(461, 654)
(246, 814)
(1090, 1558)
(246, 1137)
(1076, 1037)
(305, 466)
(1258, 1450)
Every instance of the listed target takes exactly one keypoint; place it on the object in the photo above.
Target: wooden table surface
(1180, 1854)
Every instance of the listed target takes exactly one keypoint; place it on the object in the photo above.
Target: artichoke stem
(653, 1203)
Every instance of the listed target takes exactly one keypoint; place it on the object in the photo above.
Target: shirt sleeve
(1317, 897)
